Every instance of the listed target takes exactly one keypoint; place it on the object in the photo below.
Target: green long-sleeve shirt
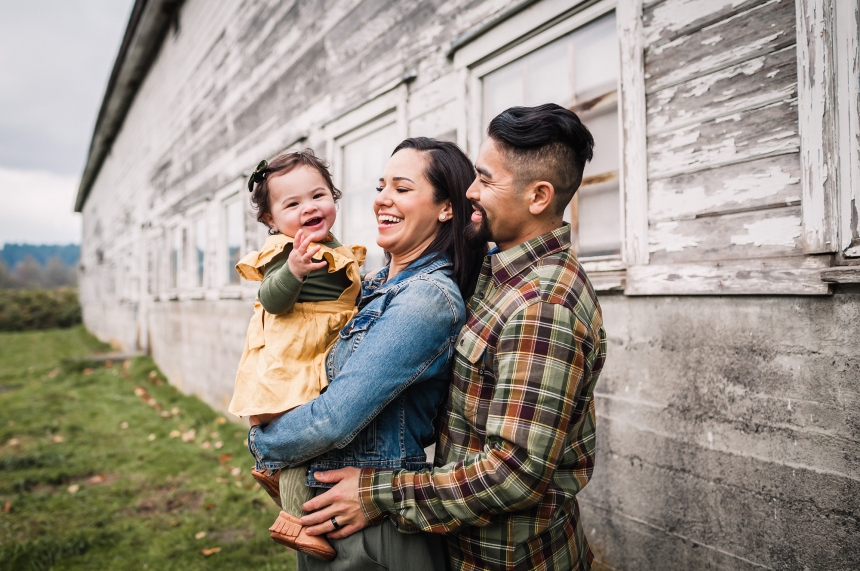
(281, 290)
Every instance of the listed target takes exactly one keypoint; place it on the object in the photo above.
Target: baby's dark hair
(282, 165)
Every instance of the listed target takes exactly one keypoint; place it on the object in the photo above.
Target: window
(363, 157)
(235, 232)
(174, 257)
(579, 71)
(199, 253)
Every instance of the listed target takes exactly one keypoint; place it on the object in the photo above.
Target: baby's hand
(301, 259)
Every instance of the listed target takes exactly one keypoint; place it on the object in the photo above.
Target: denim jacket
(389, 370)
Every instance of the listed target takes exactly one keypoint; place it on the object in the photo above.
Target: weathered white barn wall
(728, 428)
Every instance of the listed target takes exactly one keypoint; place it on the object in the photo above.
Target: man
(517, 440)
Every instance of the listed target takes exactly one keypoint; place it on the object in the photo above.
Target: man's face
(500, 208)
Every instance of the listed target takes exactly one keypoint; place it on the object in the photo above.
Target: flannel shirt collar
(521, 257)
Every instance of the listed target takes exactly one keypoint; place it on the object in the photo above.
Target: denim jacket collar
(376, 284)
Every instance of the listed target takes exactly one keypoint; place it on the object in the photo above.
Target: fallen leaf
(238, 483)
(151, 437)
(53, 373)
(174, 523)
(214, 434)
(57, 439)
(208, 506)
(206, 445)
(88, 371)
(108, 364)
(126, 364)
(14, 442)
(189, 436)
(165, 414)
(235, 471)
(221, 480)
(7, 507)
(210, 551)
(73, 489)
(200, 535)
(124, 425)
(140, 391)
(225, 458)
(151, 401)
(152, 375)
(218, 445)
(175, 434)
(245, 442)
(174, 411)
(97, 479)
(220, 420)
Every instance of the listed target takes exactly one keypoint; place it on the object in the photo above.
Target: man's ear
(541, 197)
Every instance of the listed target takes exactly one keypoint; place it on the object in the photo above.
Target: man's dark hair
(450, 172)
(547, 142)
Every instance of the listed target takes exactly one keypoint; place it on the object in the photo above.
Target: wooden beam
(843, 275)
(632, 127)
(799, 275)
(816, 113)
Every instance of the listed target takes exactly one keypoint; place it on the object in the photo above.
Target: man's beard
(478, 233)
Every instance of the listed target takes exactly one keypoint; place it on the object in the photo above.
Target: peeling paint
(662, 236)
(743, 189)
(780, 231)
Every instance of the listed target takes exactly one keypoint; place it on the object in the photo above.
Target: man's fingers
(344, 531)
(314, 504)
(330, 476)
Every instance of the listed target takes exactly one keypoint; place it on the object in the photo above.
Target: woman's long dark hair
(450, 173)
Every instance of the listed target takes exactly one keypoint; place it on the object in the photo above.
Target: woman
(389, 369)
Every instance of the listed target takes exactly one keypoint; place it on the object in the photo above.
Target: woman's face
(406, 215)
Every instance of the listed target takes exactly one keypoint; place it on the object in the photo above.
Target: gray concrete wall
(728, 432)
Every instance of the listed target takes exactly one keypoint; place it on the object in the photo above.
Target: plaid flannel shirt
(517, 441)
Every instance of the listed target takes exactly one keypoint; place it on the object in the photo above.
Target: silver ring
(334, 523)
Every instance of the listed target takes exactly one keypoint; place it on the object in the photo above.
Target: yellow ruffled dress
(283, 364)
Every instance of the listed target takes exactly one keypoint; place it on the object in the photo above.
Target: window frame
(535, 27)
(226, 290)
(387, 106)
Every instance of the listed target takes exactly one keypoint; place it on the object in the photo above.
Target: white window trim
(199, 212)
(385, 107)
(495, 48)
(829, 119)
(220, 281)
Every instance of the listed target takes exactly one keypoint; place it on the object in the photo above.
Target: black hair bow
(259, 175)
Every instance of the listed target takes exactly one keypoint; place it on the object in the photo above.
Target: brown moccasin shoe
(287, 530)
(269, 483)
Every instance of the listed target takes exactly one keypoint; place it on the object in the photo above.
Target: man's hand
(300, 259)
(340, 502)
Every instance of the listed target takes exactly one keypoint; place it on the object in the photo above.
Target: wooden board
(759, 184)
(765, 28)
(759, 234)
(749, 85)
(665, 20)
(744, 136)
(772, 276)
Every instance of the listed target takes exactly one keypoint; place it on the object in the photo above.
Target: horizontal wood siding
(723, 149)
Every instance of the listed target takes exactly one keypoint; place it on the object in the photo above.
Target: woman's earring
(442, 217)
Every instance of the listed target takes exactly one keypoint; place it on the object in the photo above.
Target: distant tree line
(27, 266)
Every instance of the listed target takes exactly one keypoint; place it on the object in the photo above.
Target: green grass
(82, 492)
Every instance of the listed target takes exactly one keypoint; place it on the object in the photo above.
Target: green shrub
(24, 310)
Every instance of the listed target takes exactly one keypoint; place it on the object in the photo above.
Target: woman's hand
(300, 259)
(340, 502)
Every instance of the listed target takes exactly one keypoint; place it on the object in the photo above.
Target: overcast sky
(55, 60)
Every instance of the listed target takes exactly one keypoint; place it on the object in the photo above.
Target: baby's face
(301, 199)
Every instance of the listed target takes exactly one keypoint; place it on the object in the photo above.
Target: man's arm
(541, 361)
